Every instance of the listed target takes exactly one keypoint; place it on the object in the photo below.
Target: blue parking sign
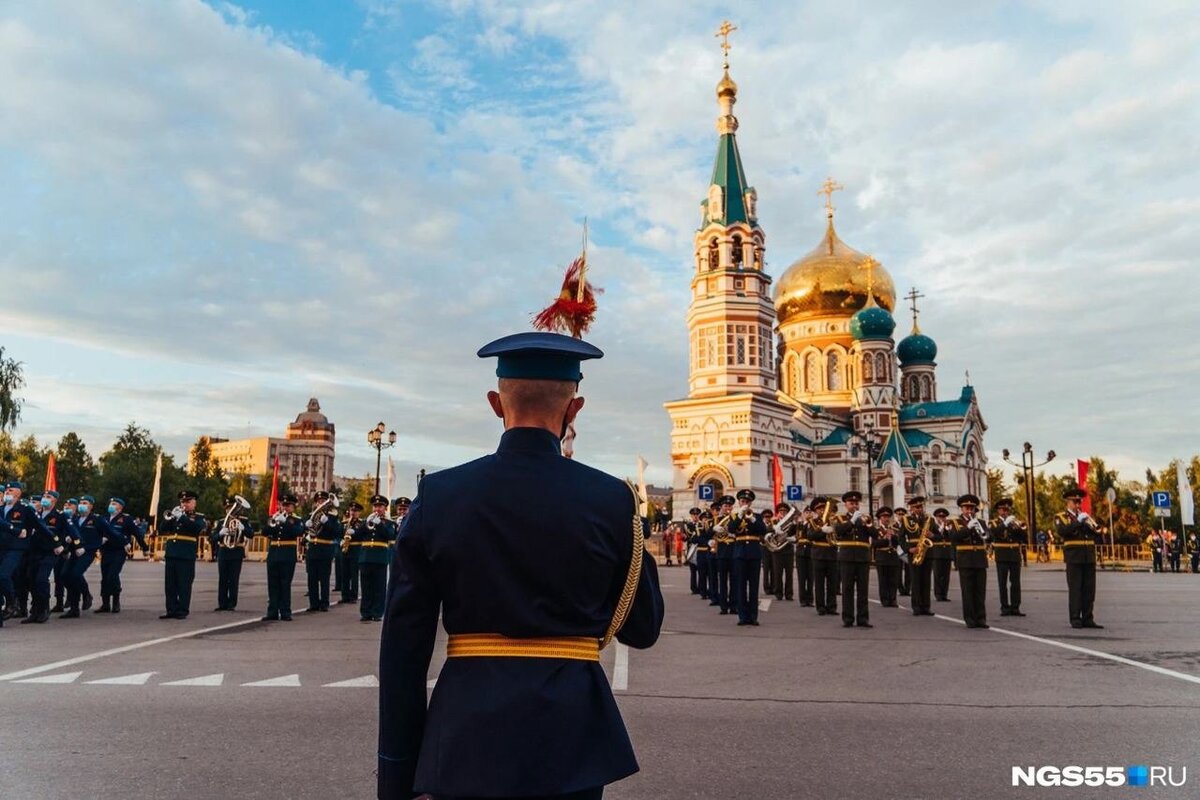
(795, 493)
(1161, 499)
(707, 492)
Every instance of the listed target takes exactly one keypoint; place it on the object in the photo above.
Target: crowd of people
(41, 542)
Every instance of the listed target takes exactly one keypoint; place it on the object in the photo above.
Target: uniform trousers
(177, 580)
(768, 572)
(745, 582)
(804, 576)
(855, 577)
(888, 576)
(351, 571)
(906, 579)
(941, 578)
(111, 564)
(1008, 573)
(61, 565)
(973, 583)
(10, 562)
(229, 575)
(920, 587)
(825, 585)
(694, 576)
(1081, 589)
(374, 590)
(781, 573)
(714, 593)
(1156, 560)
(317, 568)
(339, 571)
(77, 585)
(40, 569)
(279, 588)
(724, 589)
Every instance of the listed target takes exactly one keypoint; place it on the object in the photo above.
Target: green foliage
(29, 464)
(12, 379)
(257, 490)
(76, 472)
(997, 488)
(207, 480)
(127, 471)
(358, 490)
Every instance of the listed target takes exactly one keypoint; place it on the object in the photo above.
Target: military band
(885, 553)
(784, 555)
(182, 530)
(697, 554)
(229, 540)
(284, 532)
(941, 554)
(725, 541)
(347, 556)
(971, 544)
(374, 540)
(855, 536)
(824, 556)
(323, 537)
(804, 563)
(1009, 536)
(905, 585)
(916, 543)
(748, 531)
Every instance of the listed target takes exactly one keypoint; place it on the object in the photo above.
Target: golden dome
(831, 280)
(726, 86)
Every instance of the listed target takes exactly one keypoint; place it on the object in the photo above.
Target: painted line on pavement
(69, 662)
(620, 678)
(1129, 662)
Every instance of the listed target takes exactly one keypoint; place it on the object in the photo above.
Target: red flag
(51, 475)
(776, 478)
(274, 506)
(1081, 467)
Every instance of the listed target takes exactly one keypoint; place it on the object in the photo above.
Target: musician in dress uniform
(283, 531)
(710, 523)
(63, 562)
(725, 542)
(323, 537)
(229, 543)
(534, 561)
(941, 554)
(18, 524)
(905, 585)
(47, 544)
(1008, 541)
(698, 561)
(887, 560)
(768, 569)
(856, 535)
(348, 552)
(970, 538)
(84, 546)
(824, 556)
(372, 541)
(785, 557)
(804, 562)
(401, 506)
(916, 526)
(1079, 555)
(182, 530)
(748, 531)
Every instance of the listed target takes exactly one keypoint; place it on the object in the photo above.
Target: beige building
(305, 453)
(807, 370)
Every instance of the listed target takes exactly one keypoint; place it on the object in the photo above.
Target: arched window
(833, 373)
(737, 251)
(926, 388)
(792, 374)
(808, 478)
(868, 371)
(812, 373)
(714, 253)
(882, 373)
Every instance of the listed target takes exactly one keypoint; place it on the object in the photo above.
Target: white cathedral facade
(807, 369)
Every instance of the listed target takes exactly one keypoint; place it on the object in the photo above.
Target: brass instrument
(923, 544)
(780, 535)
(233, 532)
(312, 523)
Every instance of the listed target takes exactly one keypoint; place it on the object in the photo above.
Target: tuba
(780, 535)
(233, 532)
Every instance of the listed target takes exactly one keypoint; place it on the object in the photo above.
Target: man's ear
(574, 408)
(493, 398)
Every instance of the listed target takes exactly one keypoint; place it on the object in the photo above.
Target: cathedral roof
(729, 175)
(939, 409)
(896, 449)
(832, 279)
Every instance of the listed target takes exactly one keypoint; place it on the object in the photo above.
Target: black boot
(58, 606)
(104, 608)
(116, 603)
(87, 600)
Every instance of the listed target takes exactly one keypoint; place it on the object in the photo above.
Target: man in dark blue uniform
(324, 537)
(63, 562)
(748, 532)
(534, 561)
(182, 531)
(19, 523)
(114, 543)
(372, 546)
(724, 556)
(710, 536)
(698, 547)
(283, 531)
(47, 545)
(88, 528)
(229, 543)
(348, 552)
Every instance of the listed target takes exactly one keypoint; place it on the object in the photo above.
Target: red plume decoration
(575, 309)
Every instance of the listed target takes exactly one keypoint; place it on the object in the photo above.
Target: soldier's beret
(50, 493)
(916, 501)
(885, 511)
(184, 494)
(121, 502)
(1003, 502)
(1074, 494)
(355, 506)
(851, 496)
(15, 485)
(87, 498)
(72, 501)
(695, 510)
(745, 494)
(941, 512)
(539, 355)
(967, 500)
(403, 502)
(378, 500)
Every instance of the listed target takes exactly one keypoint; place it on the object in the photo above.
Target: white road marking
(282, 680)
(203, 680)
(764, 605)
(1129, 662)
(65, 677)
(69, 662)
(366, 681)
(620, 677)
(124, 680)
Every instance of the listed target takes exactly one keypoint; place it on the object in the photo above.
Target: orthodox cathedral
(808, 369)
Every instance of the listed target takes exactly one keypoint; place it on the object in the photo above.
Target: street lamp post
(1028, 464)
(871, 447)
(376, 439)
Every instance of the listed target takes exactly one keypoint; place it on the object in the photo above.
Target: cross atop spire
(722, 33)
(912, 297)
(869, 265)
(828, 188)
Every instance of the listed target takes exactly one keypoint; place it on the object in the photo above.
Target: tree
(357, 490)
(8, 455)
(996, 485)
(12, 379)
(76, 471)
(29, 464)
(127, 471)
(207, 479)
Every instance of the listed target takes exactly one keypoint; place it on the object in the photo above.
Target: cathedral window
(936, 482)
(868, 371)
(714, 256)
(737, 252)
(833, 372)
(856, 479)
(792, 371)
(812, 373)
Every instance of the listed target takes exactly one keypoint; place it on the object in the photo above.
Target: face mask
(112, 508)
(47, 502)
(84, 508)
(9, 499)
(70, 512)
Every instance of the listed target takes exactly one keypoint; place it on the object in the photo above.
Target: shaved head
(531, 403)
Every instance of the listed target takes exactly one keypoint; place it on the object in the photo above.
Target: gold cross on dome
(723, 32)
(828, 188)
(912, 297)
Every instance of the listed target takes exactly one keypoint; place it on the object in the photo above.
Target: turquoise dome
(916, 348)
(872, 322)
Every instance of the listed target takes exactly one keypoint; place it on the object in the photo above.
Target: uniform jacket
(373, 544)
(970, 548)
(884, 547)
(854, 539)
(327, 537)
(121, 531)
(18, 525)
(89, 531)
(523, 543)
(54, 533)
(231, 553)
(1007, 540)
(820, 543)
(189, 526)
(281, 539)
(1078, 539)
(943, 544)
(745, 528)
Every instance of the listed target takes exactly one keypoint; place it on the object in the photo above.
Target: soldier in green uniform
(1008, 542)
(804, 563)
(374, 537)
(1078, 540)
(970, 537)
(855, 536)
(283, 531)
(905, 563)
(916, 524)
(348, 555)
(887, 560)
(785, 557)
(182, 530)
(229, 543)
(941, 554)
(824, 557)
(323, 538)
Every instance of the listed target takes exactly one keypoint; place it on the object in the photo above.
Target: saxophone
(923, 544)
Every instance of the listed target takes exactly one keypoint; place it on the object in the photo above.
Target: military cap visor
(695, 511)
(968, 500)
(746, 494)
(848, 496)
(289, 500)
(941, 512)
(356, 506)
(1074, 494)
(884, 512)
(538, 355)
(403, 501)
(186, 494)
(919, 500)
(1003, 502)
(379, 500)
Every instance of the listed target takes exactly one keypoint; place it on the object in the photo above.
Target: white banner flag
(391, 478)
(155, 492)
(1187, 509)
(898, 498)
(645, 509)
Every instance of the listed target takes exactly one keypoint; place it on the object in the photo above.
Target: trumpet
(174, 513)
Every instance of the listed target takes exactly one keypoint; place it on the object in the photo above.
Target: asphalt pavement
(222, 705)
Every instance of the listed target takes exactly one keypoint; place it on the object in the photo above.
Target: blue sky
(213, 211)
